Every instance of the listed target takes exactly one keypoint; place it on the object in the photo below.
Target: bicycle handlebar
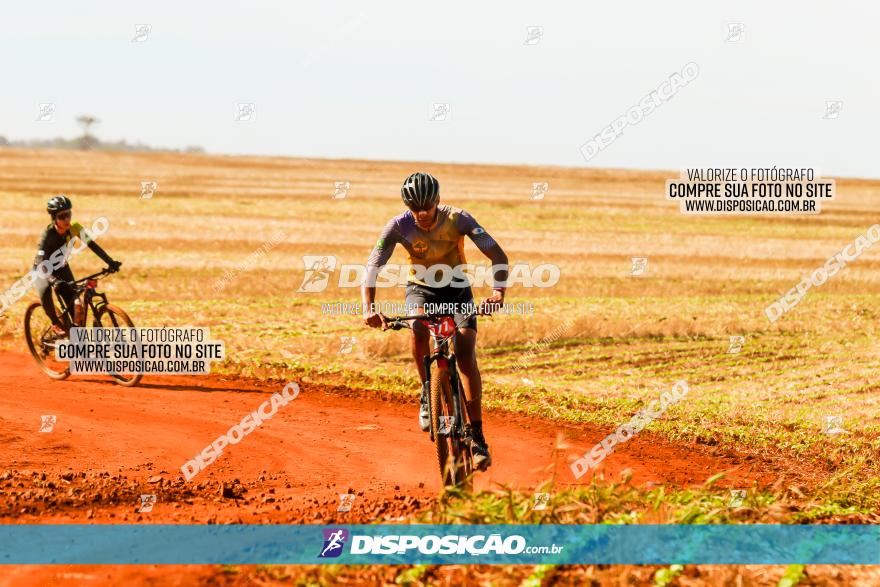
(399, 322)
(101, 273)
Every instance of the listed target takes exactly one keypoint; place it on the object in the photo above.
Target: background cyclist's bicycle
(42, 341)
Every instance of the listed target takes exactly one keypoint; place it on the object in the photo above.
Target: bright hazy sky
(351, 79)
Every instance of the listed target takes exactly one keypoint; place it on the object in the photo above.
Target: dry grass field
(626, 338)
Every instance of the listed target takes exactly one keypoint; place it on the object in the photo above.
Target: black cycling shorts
(462, 297)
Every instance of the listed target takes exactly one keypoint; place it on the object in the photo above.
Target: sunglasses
(425, 209)
(63, 216)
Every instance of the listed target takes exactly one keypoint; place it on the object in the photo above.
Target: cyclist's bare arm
(371, 317)
(381, 254)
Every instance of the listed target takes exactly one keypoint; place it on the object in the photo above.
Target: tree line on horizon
(88, 142)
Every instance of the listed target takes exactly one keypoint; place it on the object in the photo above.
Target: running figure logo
(446, 424)
(833, 425)
(147, 502)
(46, 112)
(334, 540)
(736, 344)
(539, 189)
(832, 109)
(245, 112)
(341, 189)
(317, 272)
(346, 500)
(737, 496)
(534, 34)
(148, 188)
(47, 423)
(639, 266)
(346, 344)
(735, 32)
(142, 33)
(541, 501)
(439, 112)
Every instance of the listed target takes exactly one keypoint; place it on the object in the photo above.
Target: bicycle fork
(457, 408)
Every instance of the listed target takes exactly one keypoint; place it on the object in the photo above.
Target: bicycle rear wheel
(110, 316)
(41, 342)
(451, 451)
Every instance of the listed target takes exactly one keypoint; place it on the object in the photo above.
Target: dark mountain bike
(42, 341)
(450, 424)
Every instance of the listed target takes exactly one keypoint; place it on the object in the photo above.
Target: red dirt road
(111, 444)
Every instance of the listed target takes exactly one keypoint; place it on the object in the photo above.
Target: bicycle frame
(43, 340)
(443, 353)
(85, 287)
(444, 357)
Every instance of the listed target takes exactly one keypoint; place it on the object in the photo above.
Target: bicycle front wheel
(110, 316)
(41, 342)
(451, 451)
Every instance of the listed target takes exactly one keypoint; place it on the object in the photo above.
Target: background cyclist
(59, 233)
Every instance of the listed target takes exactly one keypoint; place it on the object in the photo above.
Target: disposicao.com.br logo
(318, 270)
(449, 544)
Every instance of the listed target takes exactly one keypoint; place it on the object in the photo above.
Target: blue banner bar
(439, 544)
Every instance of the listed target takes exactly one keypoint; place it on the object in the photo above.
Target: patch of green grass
(536, 579)
(603, 502)
(794, 574)
(664, 577)
(411, 575)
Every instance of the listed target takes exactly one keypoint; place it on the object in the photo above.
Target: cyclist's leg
(70, 300)
(416, 297)
(44, 290)
(466, 352)
(466, 358)
(66, 291)
(421, 347)
(469, 371)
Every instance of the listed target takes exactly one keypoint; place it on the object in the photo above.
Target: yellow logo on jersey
(420, 247)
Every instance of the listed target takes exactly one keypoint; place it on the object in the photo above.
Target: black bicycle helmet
(420, 191)
(58, 203)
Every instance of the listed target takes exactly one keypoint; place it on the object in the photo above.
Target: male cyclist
(57, 235)
(433, 235)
